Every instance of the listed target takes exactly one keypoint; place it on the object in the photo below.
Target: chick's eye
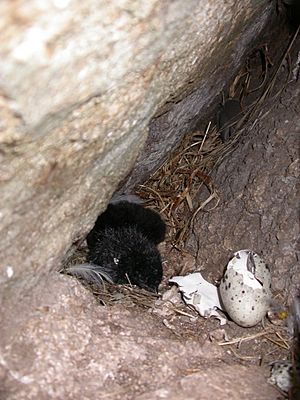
(116, 260)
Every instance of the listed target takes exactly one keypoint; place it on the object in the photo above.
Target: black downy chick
(127, 256)
(122, 247)
(127, 214)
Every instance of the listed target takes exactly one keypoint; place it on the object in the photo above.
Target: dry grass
(277, 335)
(174, 187)
(128, 295)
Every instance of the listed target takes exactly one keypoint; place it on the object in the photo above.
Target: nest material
(127, 295)
(174, 187)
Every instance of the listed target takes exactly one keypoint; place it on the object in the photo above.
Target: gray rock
(66, 345)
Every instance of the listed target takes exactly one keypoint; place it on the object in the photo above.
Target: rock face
(79, 86)
(259, 185)
(76, 349)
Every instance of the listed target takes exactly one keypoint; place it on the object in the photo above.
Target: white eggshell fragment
(200, 294)
(245, 289)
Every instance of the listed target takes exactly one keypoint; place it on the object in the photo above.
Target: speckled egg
(245, 289)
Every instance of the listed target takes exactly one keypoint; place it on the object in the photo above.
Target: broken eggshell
(200, 294)
(245, 289)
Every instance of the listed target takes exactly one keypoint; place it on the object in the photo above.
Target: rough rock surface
(224, 382)
(259, 186)
(70, 347)
(79, 85)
